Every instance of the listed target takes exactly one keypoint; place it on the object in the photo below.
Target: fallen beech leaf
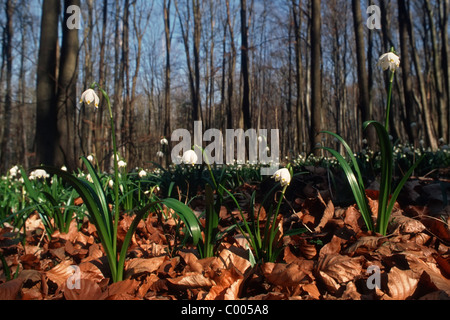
(192, 280)
(192, 261)
(436, 277)
(444, 265)
(340, 268)
(125, 287)
(227, 286)
(328, 213)
(140, 265)
(231, 258)
(406, 224)
(351, 293)
(329, 282)
(61, 272)
(285, 275)
(368, 242)
(401, 283)
(89, 290)
(312, 290)
(353, 218)
(10, 289)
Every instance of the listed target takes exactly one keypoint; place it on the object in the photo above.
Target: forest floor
(334, 260)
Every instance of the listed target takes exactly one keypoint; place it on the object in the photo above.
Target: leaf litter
(332, 260)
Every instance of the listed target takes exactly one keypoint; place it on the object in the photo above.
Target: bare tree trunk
(99, 132)
(444, 9)
(46, 125)
(67, 95)
(442, 108)
(296, 13)
(231, 67)
(7, 151)
(363, 82)
(246, 121)
(197, 106)
(406, 71)
(167, 111)
(316, 77)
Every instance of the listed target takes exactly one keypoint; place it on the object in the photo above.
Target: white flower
(90, 157)
(90, 96)
(283, 175)
(160, 154)
(164, 141)
(389, 61)
(64, 168)
(38, 174)
(111, 183)
(189, 157)
(13, 171)
(142, 173)
(121, 164)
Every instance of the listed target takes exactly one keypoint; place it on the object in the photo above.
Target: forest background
(300, 66)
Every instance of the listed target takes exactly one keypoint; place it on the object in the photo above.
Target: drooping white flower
(121, 164)
(64, 168)
(90, 157)
(38, 174)
(160, 154)
(164, 141)
(283, 175)
(189, 157)
(90, 96)
(142, 173)
(389, 61)
(13, 171)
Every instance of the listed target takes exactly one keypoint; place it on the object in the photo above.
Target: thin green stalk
(388, 107)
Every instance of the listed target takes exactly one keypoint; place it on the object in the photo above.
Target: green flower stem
(388, 108)
(116, 170)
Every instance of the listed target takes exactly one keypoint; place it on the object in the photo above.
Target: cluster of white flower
(38, 174)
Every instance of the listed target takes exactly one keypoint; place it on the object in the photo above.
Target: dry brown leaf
(352, 217)
(10, 289)
(332, 247)
(140, 265)
(227, 286)
(433, 272)
(89, 290)
(351, 293)
(312, 290)
(125, 287)
(406, 224)
(340, 268)
(368, 242)
(328, 213)
(61, 272)
(192, 280)
(235, 257)
(285, 275)
(191, 261)
(401, 283)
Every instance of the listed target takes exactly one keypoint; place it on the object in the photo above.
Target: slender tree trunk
(167, 111)
(363, 81)
(442, 108)
(231, 67)
(425, 106)
(46, 115)
(298, 74)
(99, 129)
(246, 122)
(7, 151)
(406, 71)
(67, 94)
(316, 77)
